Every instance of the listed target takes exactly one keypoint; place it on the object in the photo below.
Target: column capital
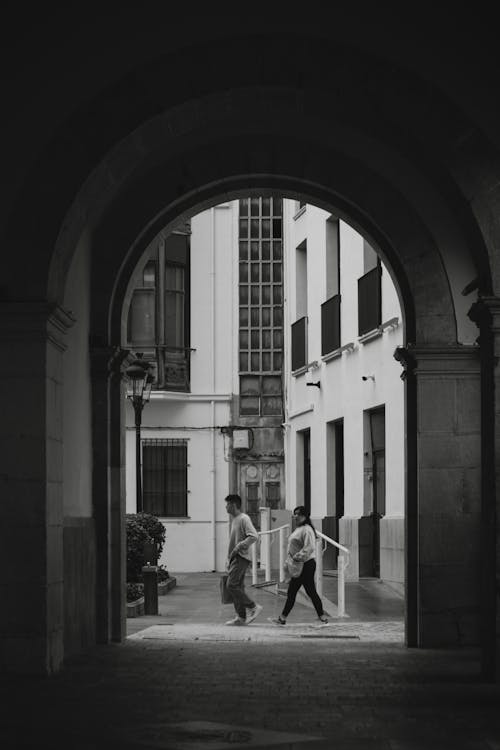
(408, 362)
(35, 321)
(485, 313)
(455, 359)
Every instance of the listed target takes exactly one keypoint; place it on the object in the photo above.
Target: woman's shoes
(323, 619)
(278, 620)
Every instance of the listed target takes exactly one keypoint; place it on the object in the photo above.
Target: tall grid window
(260, 305)
(164, 477)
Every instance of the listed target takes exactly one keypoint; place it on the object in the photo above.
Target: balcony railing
(176, 368)
(171, 367)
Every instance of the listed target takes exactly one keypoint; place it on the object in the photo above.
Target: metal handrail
(332, 541)
(272, 531)
(342, 564)
(269, 539)
(342, 561)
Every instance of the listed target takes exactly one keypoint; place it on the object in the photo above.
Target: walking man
(242, 535)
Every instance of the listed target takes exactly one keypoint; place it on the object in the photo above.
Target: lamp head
(137, 376)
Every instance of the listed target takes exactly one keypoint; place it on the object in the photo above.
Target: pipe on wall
(214, 384)
(214, 493)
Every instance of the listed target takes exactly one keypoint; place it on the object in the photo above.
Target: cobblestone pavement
(184, 694)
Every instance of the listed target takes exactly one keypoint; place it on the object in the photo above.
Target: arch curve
(178, 160)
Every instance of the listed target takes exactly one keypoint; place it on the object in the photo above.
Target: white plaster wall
(343, 393)
(189, 545)
(190, 541)
(212, 248)
(77, 458)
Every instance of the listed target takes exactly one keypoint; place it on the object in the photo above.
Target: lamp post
(139, 385)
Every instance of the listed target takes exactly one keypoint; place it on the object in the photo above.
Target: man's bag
(225, 594)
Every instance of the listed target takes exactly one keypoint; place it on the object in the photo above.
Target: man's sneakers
(253, 613)
(236, 621)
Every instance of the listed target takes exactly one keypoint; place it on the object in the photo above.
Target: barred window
(164, 476)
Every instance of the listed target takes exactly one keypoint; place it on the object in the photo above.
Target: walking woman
(302, 550)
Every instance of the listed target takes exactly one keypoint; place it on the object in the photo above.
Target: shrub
(142, 528)
(163, 573)
(134, 591)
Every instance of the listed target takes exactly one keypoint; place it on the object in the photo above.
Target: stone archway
(292, 138)
(431, 316)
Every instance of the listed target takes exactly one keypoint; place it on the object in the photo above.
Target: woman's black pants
(306, 579)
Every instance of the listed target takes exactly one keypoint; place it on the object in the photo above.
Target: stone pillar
(486, 314)
(448, 502)
(108, 490)
(117, 496)
(31, 474)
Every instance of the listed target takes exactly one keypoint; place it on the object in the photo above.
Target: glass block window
(260, 303)
(261, 395)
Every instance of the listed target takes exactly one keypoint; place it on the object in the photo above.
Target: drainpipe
(214, 495)
(212, 306)
(214, 384)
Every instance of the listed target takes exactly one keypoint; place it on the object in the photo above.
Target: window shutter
(330, 325)
(370, 300)
(299, 343)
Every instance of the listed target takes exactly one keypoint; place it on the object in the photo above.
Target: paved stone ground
(182, 694)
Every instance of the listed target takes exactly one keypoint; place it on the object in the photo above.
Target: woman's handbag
(225, 594)
(292, 567)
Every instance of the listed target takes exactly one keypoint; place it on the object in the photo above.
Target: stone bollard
(150, 580)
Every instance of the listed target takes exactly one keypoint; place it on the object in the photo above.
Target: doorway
(304, 469)
(374, 492)
(335, 487)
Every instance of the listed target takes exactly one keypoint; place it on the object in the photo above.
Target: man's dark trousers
(236, 585)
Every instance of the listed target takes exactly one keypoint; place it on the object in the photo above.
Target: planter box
(136, 608)
(165, 586)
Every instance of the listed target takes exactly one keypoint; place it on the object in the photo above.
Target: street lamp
(139, 384)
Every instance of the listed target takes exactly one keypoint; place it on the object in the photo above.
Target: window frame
(157, 352)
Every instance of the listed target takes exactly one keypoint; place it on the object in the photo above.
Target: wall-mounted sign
(241, 439)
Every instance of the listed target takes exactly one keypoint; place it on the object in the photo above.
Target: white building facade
(345, 437)
(206, 310)
(236, 313)
(185, 464)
